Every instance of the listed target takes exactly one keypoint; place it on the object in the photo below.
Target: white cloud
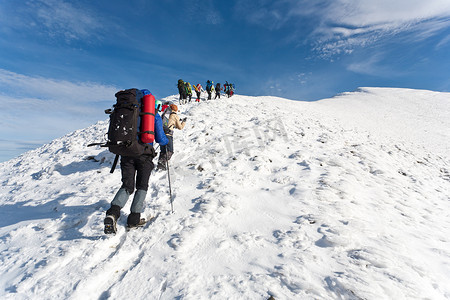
(57, 19)
(373, 66)
(266, 13)
(62, 18)
(52, 89)
(443, 42)
(346, 24)
(343, 25)
(385, 13)
(39, 109)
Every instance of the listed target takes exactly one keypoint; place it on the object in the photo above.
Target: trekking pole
(168, 175)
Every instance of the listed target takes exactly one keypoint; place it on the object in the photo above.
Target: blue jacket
(160, 137)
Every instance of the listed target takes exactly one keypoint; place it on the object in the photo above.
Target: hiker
(188, 91)
(135, 174)
(230, 90)
(218, 88)
(182, 90)
(226, 88)
(198, 90)
(209, 87)
(170, 121)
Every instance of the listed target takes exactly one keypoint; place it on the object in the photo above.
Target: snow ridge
(272, 197)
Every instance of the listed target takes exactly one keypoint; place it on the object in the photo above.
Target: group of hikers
(137, 167)
(185, 90)
(132, 109)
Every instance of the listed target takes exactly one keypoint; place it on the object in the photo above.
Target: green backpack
(188, 88)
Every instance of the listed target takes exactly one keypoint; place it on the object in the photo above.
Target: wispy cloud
(24, 86)
(443, 42)
(49, 101)
(343, 25)
(269, 14)
(39, 109)
(56, 19)
(385, 14)
(203, 11)
(349, 24)
(373, 66)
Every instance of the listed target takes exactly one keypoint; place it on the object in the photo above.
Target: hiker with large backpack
(182, 90)
(209, 87)
(218, 89)
(188, 91)
(198, 90)
(226, 88)
(232, 87)
(134, 109)
(170, 121)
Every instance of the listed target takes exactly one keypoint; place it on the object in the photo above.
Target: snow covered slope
(292, 199)
(416, 116)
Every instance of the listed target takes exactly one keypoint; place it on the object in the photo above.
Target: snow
(343, 198)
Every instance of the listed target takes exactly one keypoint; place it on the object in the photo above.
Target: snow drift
(344, 198)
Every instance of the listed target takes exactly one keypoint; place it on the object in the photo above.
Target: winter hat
(173, 107)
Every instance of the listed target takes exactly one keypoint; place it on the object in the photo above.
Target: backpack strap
(116, 159)
(147, 113)
(149, 132)
(125, 105)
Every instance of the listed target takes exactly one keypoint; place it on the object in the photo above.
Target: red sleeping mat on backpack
(148, 119)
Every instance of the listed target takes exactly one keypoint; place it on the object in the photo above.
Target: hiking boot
(110, 224)
(161, 166)
(140, 224)
(133, 218)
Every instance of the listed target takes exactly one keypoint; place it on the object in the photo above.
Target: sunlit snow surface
(344, 198)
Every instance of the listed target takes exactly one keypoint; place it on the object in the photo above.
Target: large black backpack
(123, 131)
(123, 136)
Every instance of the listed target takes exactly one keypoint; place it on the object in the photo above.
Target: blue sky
(62, 61)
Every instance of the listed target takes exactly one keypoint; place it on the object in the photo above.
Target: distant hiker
(198, 90)
(226, 88)
(209, 87)
(136, 171)
(230, 90)
(188, 91)
(182, 90)
(170, 121)
(218, 89)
